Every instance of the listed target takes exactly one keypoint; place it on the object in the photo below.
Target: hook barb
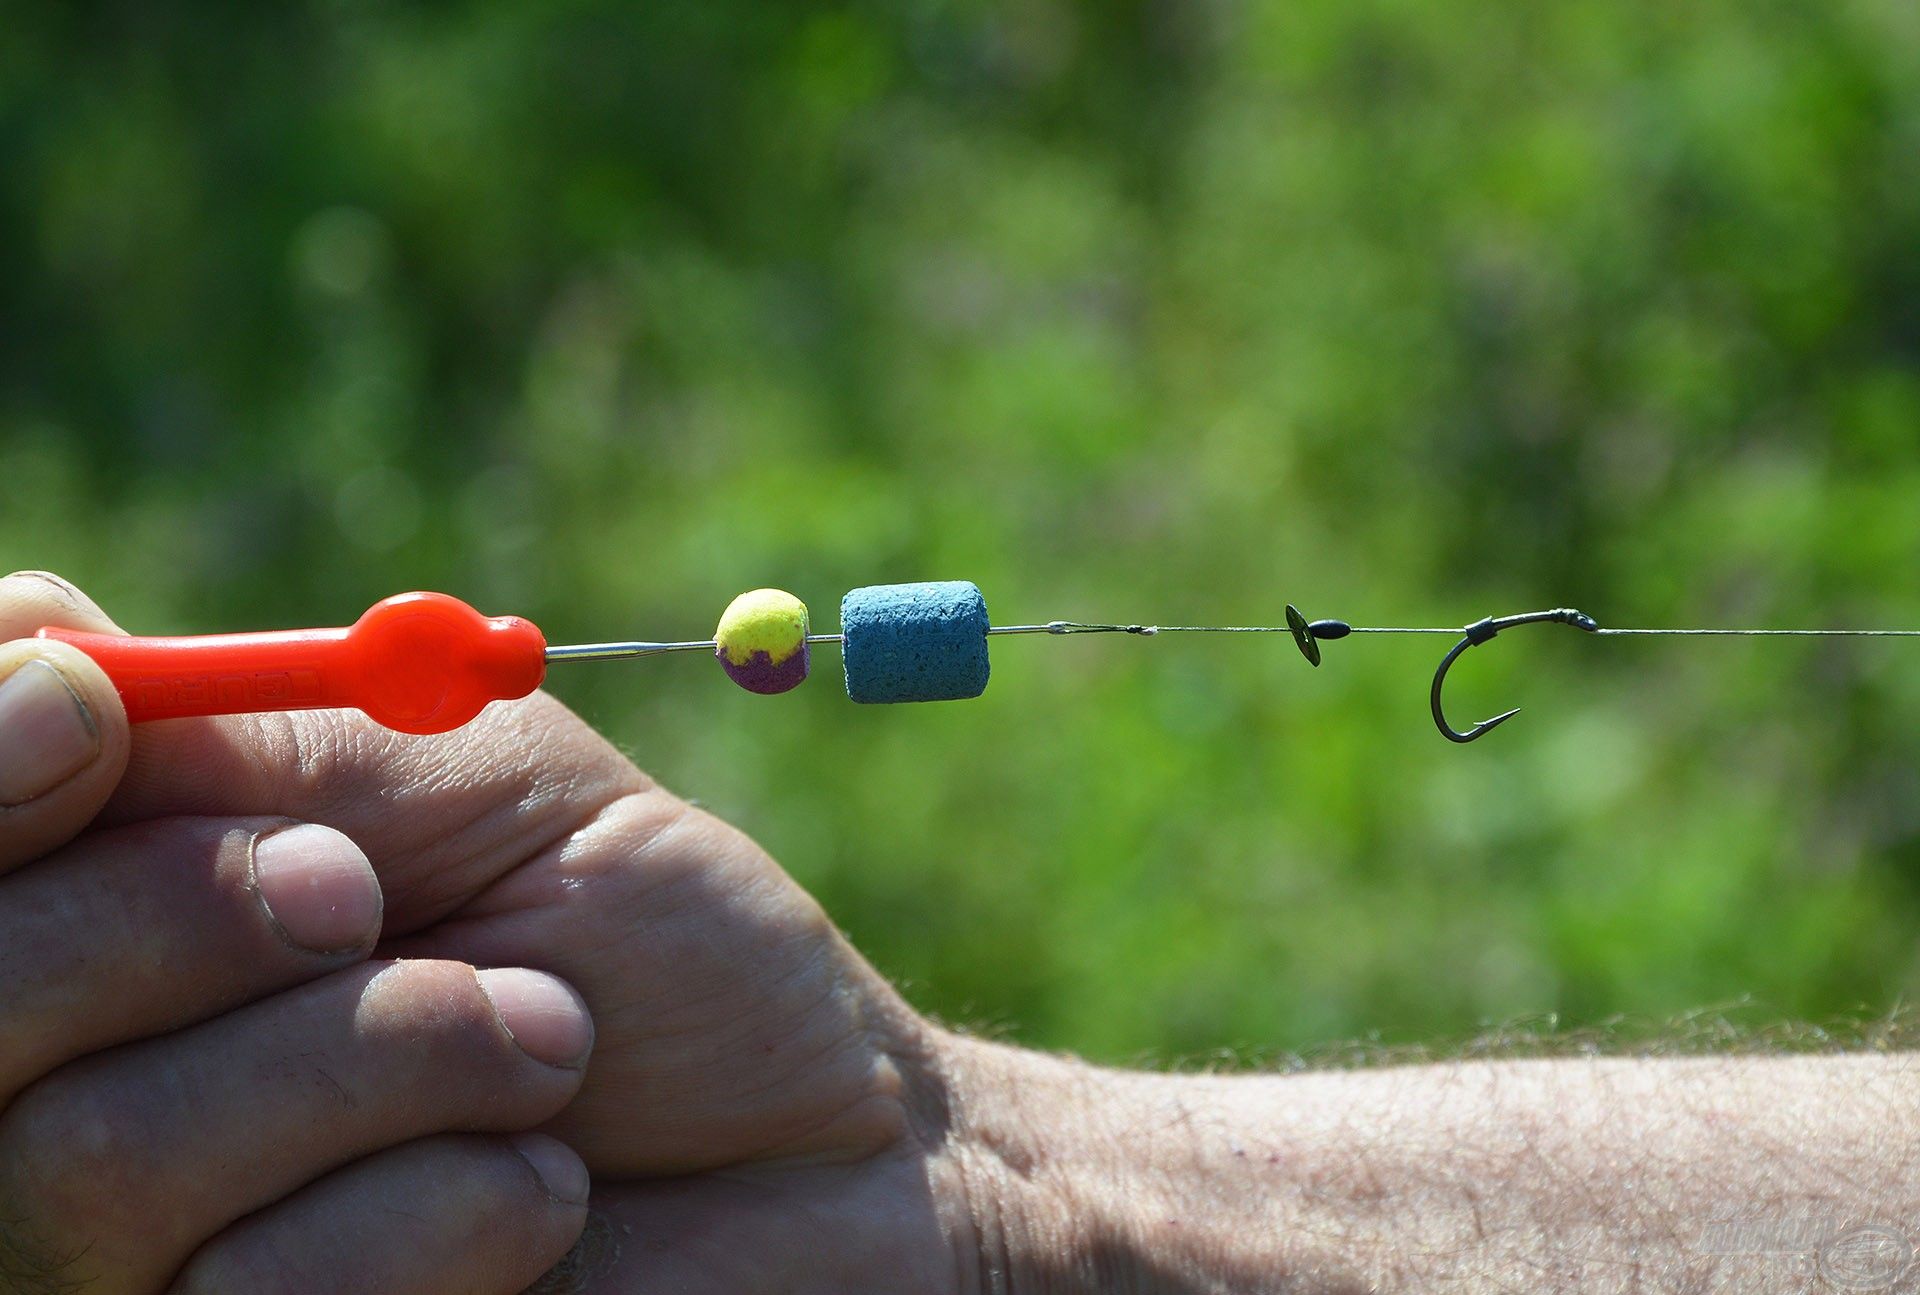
(1479, 632)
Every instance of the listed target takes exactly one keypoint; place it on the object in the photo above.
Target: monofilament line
(1078, 627)
(1704, 633)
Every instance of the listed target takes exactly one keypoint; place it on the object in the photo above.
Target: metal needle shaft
(615, 651)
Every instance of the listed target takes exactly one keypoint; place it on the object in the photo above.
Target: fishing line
(426, 663)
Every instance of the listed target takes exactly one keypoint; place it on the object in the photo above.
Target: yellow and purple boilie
(762, 641)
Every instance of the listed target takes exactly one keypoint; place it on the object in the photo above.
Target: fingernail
(46, 733)
(318, 887)
(65, 591)
(561, 1172)
(544, 1016)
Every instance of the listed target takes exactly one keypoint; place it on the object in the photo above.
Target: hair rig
(429, 663)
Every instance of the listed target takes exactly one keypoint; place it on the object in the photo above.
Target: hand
(763, 1112)
(204, 1084)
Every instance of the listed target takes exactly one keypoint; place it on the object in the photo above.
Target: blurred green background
(1401, 310)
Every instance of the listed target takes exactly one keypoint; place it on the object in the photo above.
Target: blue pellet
(918, 642)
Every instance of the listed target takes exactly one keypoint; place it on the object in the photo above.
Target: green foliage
(1401, 310)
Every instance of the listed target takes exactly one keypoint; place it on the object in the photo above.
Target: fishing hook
(1479, 632)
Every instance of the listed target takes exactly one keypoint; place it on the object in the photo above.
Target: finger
(228, 910)
(442, 1216)
(133, 1158)
(63, 733)
(31, 599)
(442, 816)
(63, 746)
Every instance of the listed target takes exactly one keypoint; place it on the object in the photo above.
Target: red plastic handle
(419, 663)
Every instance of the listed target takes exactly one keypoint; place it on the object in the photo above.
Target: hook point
(1481, 729)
